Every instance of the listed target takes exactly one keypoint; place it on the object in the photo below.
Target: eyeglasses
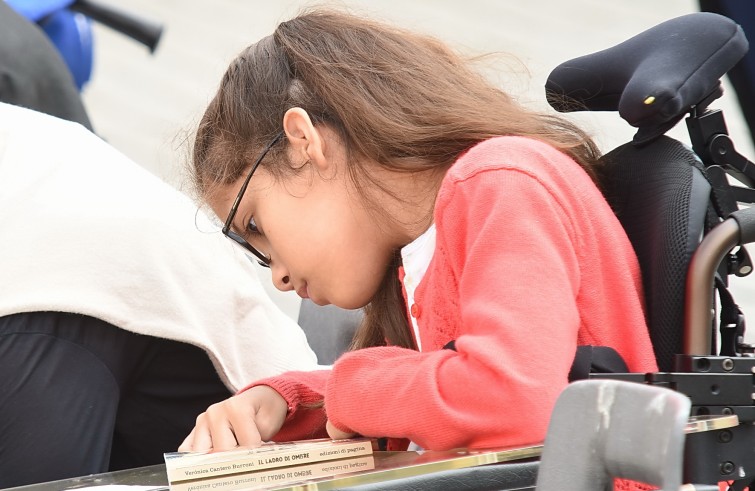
(262, 259)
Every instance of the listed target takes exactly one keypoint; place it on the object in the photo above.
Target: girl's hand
(246, 419)
(335, 433)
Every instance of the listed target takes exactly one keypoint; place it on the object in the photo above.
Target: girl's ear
(306, 141)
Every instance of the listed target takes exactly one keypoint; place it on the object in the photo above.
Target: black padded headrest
(655, 77)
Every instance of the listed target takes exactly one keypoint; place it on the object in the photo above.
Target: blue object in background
(34, 10)
(70, 32)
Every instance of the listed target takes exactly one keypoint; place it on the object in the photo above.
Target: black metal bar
(142, 30)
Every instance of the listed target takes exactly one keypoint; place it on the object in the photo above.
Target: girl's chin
(320, 302)
(346, 304)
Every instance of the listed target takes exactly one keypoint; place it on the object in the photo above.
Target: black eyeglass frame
(262, 259)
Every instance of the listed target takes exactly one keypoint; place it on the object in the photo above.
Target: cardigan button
(415, 310)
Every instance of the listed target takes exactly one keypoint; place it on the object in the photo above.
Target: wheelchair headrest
(654, 78)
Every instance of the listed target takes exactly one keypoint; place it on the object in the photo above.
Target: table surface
(388, 466)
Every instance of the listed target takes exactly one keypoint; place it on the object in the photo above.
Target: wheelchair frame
(720, 383)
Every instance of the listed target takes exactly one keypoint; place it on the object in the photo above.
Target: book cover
(184, 466)
(271, 478)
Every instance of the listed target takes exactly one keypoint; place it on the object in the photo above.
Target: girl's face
(322, 241)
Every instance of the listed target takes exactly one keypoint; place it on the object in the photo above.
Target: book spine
(266, 460)
(279, 477)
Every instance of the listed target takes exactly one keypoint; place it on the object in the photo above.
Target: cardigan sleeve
(303, 392)
(512, 252)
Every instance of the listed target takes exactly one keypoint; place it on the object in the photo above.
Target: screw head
(727, 467)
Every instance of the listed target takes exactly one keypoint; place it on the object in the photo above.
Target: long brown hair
(399, 99)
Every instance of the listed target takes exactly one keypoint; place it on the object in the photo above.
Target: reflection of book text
(188, 466)
(279, 476)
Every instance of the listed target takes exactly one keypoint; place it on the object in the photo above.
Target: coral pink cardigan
(529, 262)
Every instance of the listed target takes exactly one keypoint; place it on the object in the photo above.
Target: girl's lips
(302, 292)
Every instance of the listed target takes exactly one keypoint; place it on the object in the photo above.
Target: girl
(368, 166)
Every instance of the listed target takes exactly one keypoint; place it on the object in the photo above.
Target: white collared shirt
(416, 257)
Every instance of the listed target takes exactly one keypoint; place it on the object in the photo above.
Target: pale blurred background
(147, 105)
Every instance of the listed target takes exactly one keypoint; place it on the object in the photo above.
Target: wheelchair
(687, 214)
(686, 210)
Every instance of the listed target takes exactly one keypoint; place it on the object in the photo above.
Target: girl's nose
(281, 280)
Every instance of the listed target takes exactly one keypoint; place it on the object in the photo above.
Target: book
(184, 466)
(279, 476)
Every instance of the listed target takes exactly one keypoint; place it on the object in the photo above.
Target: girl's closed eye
(252, 228)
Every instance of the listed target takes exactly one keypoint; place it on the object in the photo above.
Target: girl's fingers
(247, 433)
(241, 419)
(188, 444)
(200, 439)
(335, 433)
(220, 434)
